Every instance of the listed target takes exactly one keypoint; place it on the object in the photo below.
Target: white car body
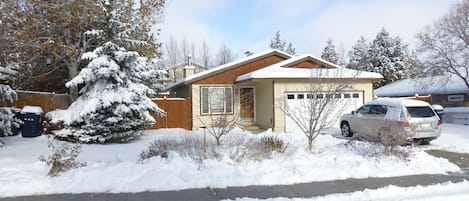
(416, 118)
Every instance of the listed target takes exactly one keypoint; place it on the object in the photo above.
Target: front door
(246, 100)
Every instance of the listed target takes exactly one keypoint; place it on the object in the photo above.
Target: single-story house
(256, 87)
(448, 91)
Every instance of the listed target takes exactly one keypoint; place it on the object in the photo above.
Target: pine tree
(358, 54)
(389, 56)
(112, 106)
(8, 121)
(278, 43)
(329, 53)
(290, 49)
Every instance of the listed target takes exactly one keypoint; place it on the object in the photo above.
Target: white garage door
(298, 104)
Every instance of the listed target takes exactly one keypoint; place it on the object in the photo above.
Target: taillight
(439, 122)
(404, 123)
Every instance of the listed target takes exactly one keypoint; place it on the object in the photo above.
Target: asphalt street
(262, 192)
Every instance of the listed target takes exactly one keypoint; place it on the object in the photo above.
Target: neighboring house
(257, 86)
(448, 91)
(179, 72)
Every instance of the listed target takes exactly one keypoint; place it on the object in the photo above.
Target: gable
(307, 64)
(229, 76)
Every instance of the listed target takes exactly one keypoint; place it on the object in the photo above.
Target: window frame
(226, 101)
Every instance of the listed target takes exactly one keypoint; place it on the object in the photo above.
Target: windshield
(424, 111)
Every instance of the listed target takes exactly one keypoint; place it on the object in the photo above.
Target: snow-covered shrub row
(235, 147)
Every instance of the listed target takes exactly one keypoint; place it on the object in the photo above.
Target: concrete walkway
(262, 192)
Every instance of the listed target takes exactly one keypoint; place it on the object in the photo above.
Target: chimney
(189, 68)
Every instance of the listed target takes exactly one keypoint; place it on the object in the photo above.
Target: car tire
(345, 129)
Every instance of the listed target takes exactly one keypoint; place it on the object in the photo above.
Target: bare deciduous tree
(205, 57)
(322, 105)
(445, 44)
(224, 55)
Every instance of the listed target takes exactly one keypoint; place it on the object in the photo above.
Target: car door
(374, 121)
(357, 123)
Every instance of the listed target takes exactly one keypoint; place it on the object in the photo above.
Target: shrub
(274, 144)
(235, 147)
(9, 123)
(63, 158)
(392, 138)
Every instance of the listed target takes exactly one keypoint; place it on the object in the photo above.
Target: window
(300, 96)
(217, 100)
(309, 96)
(364, 109)
(329, 96)
(355, 95)
(319, 96)
(346, 95)
(455, 98)
(378, 110)
(337, 95)
(420, 111)
(290, 96)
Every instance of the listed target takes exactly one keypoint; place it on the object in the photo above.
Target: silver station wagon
(416, 119)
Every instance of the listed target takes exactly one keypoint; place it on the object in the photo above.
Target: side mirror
(353, 112)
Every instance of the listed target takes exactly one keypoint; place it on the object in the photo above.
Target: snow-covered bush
(274, 143)
(236, 148)
(63, 158)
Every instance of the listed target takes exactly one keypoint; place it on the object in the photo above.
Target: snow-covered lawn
(437, 192)
(115, 167)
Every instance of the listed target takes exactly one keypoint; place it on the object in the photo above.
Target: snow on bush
(237, 147)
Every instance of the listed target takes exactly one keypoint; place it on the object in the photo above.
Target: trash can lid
(32, 109)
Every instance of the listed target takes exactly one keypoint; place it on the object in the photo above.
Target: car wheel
(345, 129)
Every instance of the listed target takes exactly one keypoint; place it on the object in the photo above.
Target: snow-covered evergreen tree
(389, 56)
(277, 42)
(290, 49)
(8, 122)
(112, 106)
(329, 53)
(358, 54)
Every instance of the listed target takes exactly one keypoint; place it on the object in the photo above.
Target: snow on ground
(115, 168)
(437, 192)
(454, 137)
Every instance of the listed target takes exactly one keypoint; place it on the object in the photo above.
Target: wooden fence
(46, 100)
(179, 110)
(178, 113)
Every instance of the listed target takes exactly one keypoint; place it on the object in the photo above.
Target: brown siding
(229, 76)
(178, 114)
(307, 64)
(47, 101)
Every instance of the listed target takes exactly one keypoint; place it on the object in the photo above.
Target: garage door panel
(299, 103)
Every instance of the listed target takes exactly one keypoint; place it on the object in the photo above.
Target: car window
(378, 110)
(364, 109)
(424, 111)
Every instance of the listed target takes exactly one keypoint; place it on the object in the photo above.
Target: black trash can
(31, 117)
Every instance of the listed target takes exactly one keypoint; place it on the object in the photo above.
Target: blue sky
(250, 24)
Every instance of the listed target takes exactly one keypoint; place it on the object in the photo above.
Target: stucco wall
(280, 87)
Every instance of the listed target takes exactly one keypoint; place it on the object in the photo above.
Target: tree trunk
(73, 90)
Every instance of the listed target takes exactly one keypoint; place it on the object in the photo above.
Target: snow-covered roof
(424, 86)
(227, 66)
(398, 102)
(284, 70)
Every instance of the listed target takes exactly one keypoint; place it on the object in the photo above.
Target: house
(257, 86)
(448, 91)
(181, 71)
